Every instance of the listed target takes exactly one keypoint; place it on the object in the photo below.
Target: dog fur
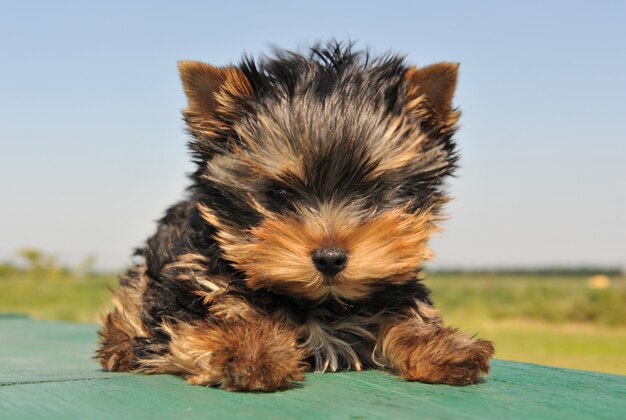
(333, 150)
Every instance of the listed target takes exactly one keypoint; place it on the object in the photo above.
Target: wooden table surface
(46, 371)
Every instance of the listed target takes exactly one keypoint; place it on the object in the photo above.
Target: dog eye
(277, 194)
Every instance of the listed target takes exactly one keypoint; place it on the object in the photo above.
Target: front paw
(258, 357)
(449, 357)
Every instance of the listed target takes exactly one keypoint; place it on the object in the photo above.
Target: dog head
(322, 174)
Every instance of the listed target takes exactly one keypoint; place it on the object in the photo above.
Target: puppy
(300, 243)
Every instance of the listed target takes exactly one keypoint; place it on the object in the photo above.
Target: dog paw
(260, 358)
(261, 372)
(454, 359)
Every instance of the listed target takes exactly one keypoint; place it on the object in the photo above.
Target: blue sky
(93, 147)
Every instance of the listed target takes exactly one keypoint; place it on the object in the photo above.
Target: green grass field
(547, 319)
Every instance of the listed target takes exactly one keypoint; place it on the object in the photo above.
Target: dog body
(318, 184)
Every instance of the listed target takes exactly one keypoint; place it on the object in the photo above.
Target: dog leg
(422, 349)
(122, 326)
(233, 354)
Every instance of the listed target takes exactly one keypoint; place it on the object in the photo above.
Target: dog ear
(211, 91)
(430, 90)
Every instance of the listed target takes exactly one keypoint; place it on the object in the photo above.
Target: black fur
(350, 93)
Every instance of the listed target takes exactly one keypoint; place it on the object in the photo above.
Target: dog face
(321, 175)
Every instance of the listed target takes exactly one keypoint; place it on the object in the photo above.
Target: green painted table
(46, 372)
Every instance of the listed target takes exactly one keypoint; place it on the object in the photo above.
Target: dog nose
(330, 260)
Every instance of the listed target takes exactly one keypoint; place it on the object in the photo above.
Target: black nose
(330, 260)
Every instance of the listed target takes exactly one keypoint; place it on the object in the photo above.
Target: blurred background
(533, 255)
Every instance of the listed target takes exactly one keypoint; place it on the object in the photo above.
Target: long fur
(294, 153)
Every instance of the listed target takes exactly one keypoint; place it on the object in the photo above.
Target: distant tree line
(538, 271)
(36, 261)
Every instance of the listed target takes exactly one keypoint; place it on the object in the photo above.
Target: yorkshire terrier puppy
(300, 244)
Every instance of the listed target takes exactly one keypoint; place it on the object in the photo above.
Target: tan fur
(121, 325)
(268, 152)
(400, 146)
(430, 91)
(428, 352)
(276, 255)
(235, 355)
(191, 268)
(209, 91)
(231, 307)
